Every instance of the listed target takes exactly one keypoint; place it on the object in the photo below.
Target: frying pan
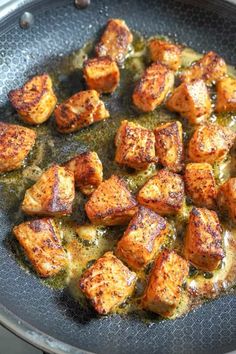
(51, 319)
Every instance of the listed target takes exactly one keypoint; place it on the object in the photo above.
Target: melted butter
(85, 247)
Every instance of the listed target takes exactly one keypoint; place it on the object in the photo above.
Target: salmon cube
(135, 146)
(165, 52)
(169, 145)
(210, 68)
(203, 240)
(163, 292)
(15, 144)
(226, 95)
(111, 203)
(200, 184)
(35, 101)
(210, 143)
(79, 111)
(88, 171)
(143, 239)
(153, 87)
(101, 74)
(192, 101)
(41, 242)
(226, 198)
(163, 193)
(52, 194)
(107, 283)
(115, 41)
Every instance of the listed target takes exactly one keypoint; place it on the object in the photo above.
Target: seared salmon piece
(203, 240)
(226, 198)
(200, 184)
(163, 292)
(88, 171)
(210, 143)
(35, 101)
(41, 242)
(79, 111)
(101, 74)
(169, 145)
(226, 95)
(165, 52)
(107, 283)
(52, 194)
(115, 41)
(143, 238)
(15, 144)
(135, 146)
(153, 87)
(192, 101)
(111, 203)
(163, 193)
(210, 68)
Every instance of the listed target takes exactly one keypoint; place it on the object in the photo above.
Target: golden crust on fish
(169, 145)
(107, 283)
(79, 111)
(210, 68)
(35, 101)
(142, 239)
(88, 171)
(200, 184)
(203, 239)
(101, 74)
(41, 242)
(192, 101)
(15, 144)
(111, 203)
(165, 52)
(52, 194)
(210, 143)
(153, 87)
(115, 41)
(226, 198)
(135, 146)
(163, 193)
(226, 95)
(163, 292)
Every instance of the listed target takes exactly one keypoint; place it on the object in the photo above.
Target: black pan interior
(58, 30)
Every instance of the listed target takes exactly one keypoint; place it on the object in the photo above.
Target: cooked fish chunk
(143, 238)
(226, 198)
(101, 74)
(107, 283)
(41, 242)
(111, 203)
(192, 101)
(153, 87)
(226, 95)
(79, 111)
(200, 184)
(203, 239)
(15, 144)
(52, 194)
(115, 41)
(163, 292)
(88, 171)
(169, 145)
(35, 101)
(210, 143)
(165, 52)
(163, 193)
(135, 146)
(211, 67)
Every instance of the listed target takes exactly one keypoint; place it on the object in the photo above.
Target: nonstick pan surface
(51, 319)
